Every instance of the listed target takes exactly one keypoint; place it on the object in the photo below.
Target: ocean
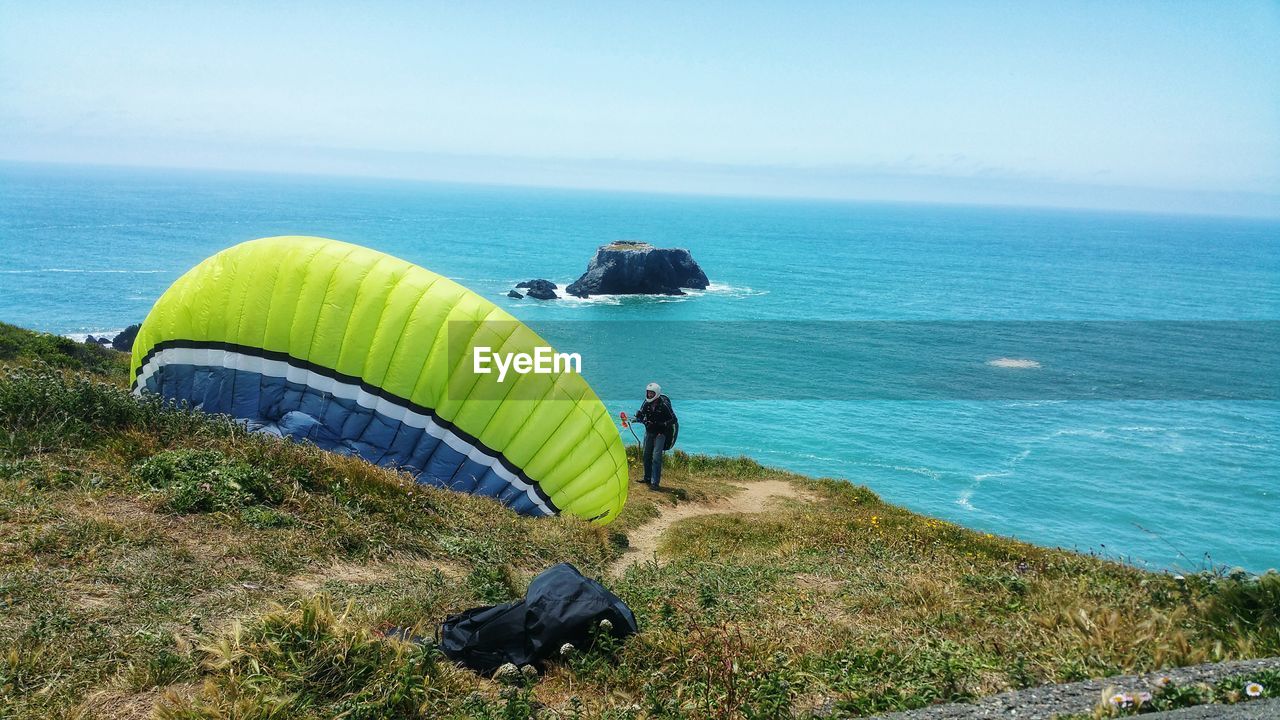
(1098, 381)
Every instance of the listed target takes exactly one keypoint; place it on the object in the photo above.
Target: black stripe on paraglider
(350, 380)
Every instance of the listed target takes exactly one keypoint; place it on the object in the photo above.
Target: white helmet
(657, 391)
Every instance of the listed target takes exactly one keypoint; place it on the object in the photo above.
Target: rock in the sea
(636, 268)
(514, 294)
(124, 341)
(540, 289)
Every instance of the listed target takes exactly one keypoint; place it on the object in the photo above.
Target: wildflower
(1144, 697)
(606, 625)
(507, 671)
(1164, 681)
(529, 671)
(1253, 689)
(566, 649)
(1121, 700)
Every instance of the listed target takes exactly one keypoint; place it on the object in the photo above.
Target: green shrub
(265, 518)
(492, 584)
(43, 409)
(196, 481)
(1247, 605)
(19, 346)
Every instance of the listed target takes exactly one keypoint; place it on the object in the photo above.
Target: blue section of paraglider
(279, 406)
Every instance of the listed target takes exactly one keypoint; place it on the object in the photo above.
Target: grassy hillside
(154, 561)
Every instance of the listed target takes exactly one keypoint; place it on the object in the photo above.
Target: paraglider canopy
(363, 354)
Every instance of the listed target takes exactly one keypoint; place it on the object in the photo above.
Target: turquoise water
(1163, 481)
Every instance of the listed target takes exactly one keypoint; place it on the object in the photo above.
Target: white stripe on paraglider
(213, 357)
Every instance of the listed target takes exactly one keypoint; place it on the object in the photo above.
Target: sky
(1162, 106)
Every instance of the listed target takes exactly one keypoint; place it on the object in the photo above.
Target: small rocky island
(122, 342)
(538, 289)
(637, 268)
(626, 267)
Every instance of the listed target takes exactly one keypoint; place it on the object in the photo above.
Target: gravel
(1046, 701)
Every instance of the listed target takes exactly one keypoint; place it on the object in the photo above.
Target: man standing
(659, 422)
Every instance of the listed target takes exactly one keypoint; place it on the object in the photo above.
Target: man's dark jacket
(657, 416)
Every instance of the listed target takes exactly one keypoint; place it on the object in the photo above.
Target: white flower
(567, 649)
(1253, 689)
(529, 671)
(1164, 681)
(606, 625)
(1121, 699)
(1144, 697)
(506, 671)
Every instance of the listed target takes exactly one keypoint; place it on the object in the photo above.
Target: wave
(82, 270)
(719, 289)
(1032, 403)
(927, 472)
(575, 301)
(157, 223)
(965, 498)
(81, 337)
(1159, 429)
(729, 290)
(1014, 363)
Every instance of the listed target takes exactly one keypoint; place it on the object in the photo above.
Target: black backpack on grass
(561, 606)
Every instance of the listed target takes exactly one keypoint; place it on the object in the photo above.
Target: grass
(161, 562)
(627, 245)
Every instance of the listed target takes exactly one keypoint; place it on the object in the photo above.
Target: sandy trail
(643, 541)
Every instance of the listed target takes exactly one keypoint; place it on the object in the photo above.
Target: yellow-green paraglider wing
(366, 354)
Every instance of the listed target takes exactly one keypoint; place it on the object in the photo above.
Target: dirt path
(643, 541)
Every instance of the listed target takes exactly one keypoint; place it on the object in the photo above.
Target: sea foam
(1016, 363)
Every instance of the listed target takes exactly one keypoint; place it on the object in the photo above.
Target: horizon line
(833, 198)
